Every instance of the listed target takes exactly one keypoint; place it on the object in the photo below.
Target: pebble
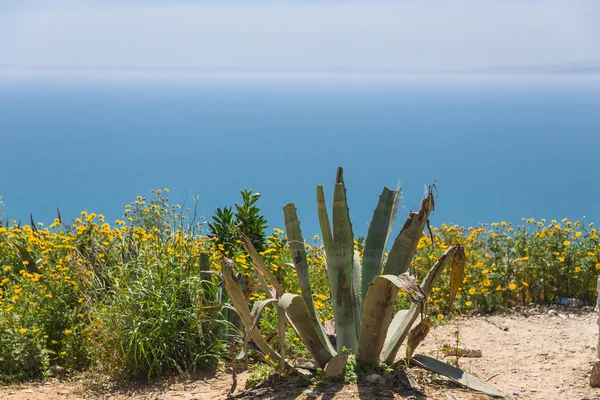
(310, 393)
(374, 378)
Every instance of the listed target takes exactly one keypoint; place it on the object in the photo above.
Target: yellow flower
(561, 259)
(503, 223)
(53, 342)
(512, 286)
(468, 303)
(440, 316)
(472, 290)
(267, 357)
(487, 282)
(577, 269)
(7, 268)
(498, 287)
(23, 330)
(68, 331)
(525, 283)
(566, 243)
(525, 258)
(62, 353)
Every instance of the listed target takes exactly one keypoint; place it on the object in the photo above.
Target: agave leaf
(377, 313)
(281, 320)
(405, 246)
(342, 264)
(324, 223)
(260, 264)
(356, 280)
(241, 308)
(417, 335)
(456, 279)
(257, 309)
(298, 252)
(379, 232)
(457, 375)
(269, 290)
(299, 317)
(404, 320)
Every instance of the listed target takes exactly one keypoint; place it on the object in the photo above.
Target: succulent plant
(363, 291)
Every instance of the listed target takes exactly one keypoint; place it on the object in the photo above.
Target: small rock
(310, 393)
(332, 389)
(336, 365)
(563, 316)
(306, 364)
(374, 378)
(552, 312)
(595, 375)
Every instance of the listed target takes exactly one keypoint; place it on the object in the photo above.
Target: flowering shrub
(130, 295)
(131, 299)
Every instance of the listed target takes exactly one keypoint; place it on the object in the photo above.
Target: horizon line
(542, 69)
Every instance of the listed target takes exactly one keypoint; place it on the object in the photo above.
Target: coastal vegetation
(144, 296)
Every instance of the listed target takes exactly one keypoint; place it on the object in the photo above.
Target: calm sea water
(497, 148)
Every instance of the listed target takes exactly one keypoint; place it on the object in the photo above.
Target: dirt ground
(542, 354)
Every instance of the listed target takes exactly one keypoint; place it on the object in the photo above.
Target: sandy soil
(527, 355)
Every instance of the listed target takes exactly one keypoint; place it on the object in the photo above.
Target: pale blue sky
(406, 34)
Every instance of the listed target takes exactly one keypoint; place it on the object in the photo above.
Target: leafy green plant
(247, 218)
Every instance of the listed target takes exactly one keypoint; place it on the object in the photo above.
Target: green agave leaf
(378, 309)
(379, 232)
(281, 320)
(343, 264)
(298, 252)
(241, 308)
(257, 309)
(356, 280)
(405, 319)
(299, 317)
(405, 246)
(457, 375)
(327, 237)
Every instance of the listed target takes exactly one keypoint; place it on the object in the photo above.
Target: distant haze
(429, 35)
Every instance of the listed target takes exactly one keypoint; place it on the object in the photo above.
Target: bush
(133, 299)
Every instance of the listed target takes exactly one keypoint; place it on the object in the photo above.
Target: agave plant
(363, 291)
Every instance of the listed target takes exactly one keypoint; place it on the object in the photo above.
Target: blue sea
(496, 147)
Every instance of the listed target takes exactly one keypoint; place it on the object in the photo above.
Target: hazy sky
(403, 34)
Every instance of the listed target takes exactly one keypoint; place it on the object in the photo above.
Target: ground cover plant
(140, 297)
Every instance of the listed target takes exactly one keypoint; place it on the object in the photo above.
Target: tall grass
(129, 300)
